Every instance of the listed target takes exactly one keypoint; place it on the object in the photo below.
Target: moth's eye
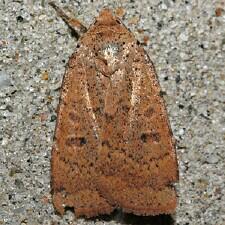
(118, 21)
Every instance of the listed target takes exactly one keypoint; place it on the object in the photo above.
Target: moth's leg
(73, 23)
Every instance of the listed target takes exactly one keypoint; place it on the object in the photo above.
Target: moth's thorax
(110, 53)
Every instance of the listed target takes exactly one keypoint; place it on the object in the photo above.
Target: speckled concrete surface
(187, 46)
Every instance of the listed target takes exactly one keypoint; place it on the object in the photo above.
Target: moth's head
(109, 43)
(106, 17)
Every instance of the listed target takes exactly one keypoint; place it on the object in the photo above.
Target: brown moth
(113, 144)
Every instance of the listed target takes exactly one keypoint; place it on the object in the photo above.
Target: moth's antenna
(73, 23)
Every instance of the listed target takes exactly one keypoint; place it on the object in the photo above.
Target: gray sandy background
(187, 45)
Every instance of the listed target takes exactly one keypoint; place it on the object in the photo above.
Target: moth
(113, 146)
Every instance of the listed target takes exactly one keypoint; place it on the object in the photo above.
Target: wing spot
(106, 143)
(155, 136)
(76, 141)
(144, 138)
(73, 116)
(149, 112)
(150, 137)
